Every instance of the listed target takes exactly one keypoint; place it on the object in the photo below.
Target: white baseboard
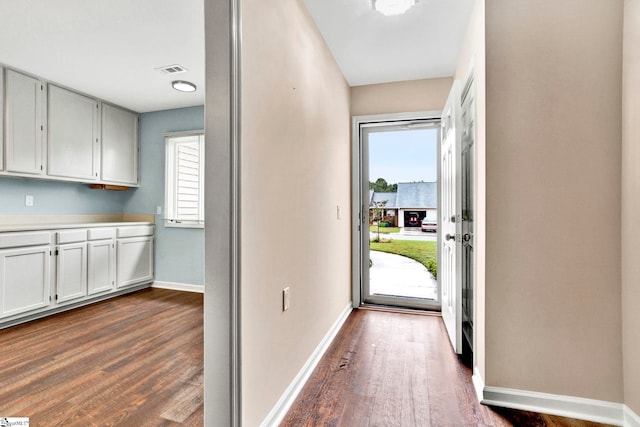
(178, 286)
(631, 419)
(553, 404)
(281, 408)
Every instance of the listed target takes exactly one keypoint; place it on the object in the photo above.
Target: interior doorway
(396, 171)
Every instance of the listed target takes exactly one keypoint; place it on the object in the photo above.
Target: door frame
(358, 212)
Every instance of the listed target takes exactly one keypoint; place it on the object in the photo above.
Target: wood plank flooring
(393, 369)
(136, 360)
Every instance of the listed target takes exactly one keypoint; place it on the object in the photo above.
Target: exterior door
(451, 219)
(386, 277)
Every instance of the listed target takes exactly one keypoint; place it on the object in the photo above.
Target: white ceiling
(372, 48)
(111, 49)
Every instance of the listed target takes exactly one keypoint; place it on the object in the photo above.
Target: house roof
(417, 195)
(389, 197)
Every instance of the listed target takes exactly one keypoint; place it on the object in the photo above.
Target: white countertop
(4, 228)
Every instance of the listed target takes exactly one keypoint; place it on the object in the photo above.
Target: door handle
(466, 237)
(450, 237)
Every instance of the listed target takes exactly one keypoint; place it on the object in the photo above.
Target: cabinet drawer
(13, 240)
(135, 231)
(71, 236)
(102, 233)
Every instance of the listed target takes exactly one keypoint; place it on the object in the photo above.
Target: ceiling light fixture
(393, 7)
(183, 86)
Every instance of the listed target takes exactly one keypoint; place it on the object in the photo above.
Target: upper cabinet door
(73, 126)
(119, 145)
(1, 119)
(24, 124)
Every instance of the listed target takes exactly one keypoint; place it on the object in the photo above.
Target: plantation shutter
(185, 183)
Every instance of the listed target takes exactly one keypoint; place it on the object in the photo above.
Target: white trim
(631, 419)
(178, 286)
(478, 384)
(369, 120)
(291, 393)
(553, 404)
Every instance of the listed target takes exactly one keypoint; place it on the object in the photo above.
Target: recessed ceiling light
(393, 7)
(183, 86)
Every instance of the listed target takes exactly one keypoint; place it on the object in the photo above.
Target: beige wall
(400, 97)
(631, 204)
(295, 170)
(553, 171)
(472, 55)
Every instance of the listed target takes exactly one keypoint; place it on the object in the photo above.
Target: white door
(24, 280)
(1, 119)
(134, 263)
(73, 145)
(24, 124)
(71, 272)
(119, 145)
(101, 265)
(451, 220)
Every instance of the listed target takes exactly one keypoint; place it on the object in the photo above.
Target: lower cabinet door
(24, 280)
(72, 272)
(134, 261)
(101, 266)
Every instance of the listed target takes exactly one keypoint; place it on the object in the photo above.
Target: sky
(403, 156)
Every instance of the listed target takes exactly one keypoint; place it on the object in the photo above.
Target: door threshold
(403, 310)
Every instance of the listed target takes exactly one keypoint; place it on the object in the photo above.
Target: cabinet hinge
(57, 252)
(41, 127)
(49, 298)
(40, 167)
(41, 87)
(56, 297)
(50, 253)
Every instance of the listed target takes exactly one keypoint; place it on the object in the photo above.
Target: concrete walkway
(397, 275)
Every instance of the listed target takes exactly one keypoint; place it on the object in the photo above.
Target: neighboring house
(412, 198)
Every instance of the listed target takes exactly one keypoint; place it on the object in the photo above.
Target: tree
(381, 186)
(378, 213)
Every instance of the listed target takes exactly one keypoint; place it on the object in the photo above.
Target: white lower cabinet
(71, 268)
(134, 261)
(24, 280)
(88, 264)
(102, 263)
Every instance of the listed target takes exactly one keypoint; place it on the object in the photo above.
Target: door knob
(450, 237)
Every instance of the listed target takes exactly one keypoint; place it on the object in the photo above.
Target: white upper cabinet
(1, 119)
(119, 145)
(24, 136)
(73, 131)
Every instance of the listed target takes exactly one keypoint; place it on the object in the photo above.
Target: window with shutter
(184, 189)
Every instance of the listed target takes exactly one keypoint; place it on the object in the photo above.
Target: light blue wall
(56, 198)
(179, 251)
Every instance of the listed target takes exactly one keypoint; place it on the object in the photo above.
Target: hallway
(393, 369)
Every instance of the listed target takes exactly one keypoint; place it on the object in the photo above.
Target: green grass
(421, 251)
(385, 230)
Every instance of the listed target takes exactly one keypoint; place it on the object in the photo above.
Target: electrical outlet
(285, 299)
(28, 200)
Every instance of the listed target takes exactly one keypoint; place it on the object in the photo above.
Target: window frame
(171, 140)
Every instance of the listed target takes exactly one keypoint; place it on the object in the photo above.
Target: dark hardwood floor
(136, 360)
(394, 369)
